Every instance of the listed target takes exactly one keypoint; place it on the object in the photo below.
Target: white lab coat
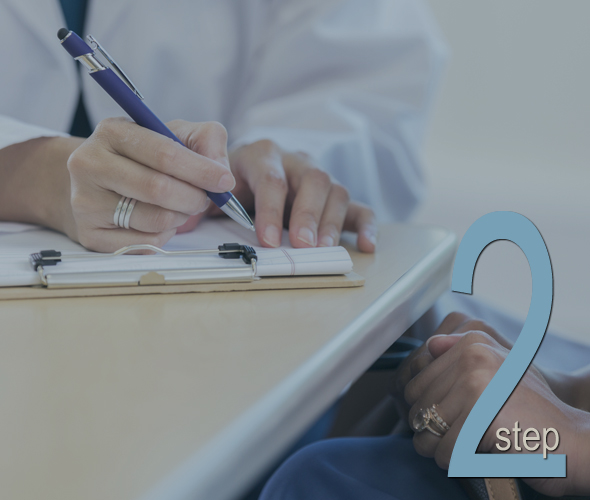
(348, 81)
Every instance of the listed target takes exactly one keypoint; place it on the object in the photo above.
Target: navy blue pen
(116, 83)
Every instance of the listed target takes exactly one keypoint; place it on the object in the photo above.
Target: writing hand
(167, 179)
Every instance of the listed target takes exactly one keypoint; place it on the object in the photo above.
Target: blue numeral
(464, 461)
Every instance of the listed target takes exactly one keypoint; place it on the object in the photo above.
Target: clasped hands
(452, 370)
(284, 189)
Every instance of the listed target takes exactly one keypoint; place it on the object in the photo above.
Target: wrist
(36, 183)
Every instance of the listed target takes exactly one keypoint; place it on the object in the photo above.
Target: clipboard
(237, 271)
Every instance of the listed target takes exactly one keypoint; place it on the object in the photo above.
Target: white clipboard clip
(46, 260)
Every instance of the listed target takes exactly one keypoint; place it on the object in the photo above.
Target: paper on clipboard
(15, 269)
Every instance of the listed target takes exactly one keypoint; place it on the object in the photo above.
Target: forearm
(34, 182)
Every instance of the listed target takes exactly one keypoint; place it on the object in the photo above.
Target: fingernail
(433, 337)
(306, 235)
(227, 182)
(372, 237)
(272, 236)
(205, 206)
(326, 241)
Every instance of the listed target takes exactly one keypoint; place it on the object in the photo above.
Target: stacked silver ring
(123, 212)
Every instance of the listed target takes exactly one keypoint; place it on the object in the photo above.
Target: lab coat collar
(45, 18)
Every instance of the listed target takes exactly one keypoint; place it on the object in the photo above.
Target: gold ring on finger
(426, 420)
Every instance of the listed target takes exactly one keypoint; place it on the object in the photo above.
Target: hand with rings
(455, 367)
(130, 185)
(127, 185)
(429, 419)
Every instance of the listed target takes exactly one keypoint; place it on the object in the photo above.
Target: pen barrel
(142, 115)
(75, 46)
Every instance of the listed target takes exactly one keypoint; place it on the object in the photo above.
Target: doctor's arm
(73, 185)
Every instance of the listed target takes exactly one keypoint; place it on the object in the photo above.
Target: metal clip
(113, 65)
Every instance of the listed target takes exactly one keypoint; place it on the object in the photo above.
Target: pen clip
(113, 65)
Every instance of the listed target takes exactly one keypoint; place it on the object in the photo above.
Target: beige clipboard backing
(350, 280)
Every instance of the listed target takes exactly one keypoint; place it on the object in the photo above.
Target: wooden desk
(192, 395)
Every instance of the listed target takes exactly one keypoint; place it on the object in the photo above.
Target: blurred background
(511, 131)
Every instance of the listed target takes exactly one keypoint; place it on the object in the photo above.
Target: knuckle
(455, 318)
(177, 123)
(265, 146)
(341, 193)
(165, 156)
(421, 445)
(216, 128)
(305, 216)
(156, 188)
(411, 392)
(319, 178)
(77, 161)
(477, 337)
(107, 126)
(302, 156)
(419, 363)
(163, 220)
(475, 356)
(275, 181)
(476, 383)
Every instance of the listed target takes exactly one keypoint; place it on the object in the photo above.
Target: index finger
(408, 369)
(164, 155)
(417, 385)
(361, 220)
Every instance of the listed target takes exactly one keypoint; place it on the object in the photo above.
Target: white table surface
(193, 395)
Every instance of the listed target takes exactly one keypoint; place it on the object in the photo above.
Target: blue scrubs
(376, 468)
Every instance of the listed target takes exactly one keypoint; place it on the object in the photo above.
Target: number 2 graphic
(464, 460)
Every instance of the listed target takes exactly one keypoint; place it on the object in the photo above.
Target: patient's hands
(287, 190)
(453, 370)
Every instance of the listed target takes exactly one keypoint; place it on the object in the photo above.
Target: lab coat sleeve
(349, 82)
(14, 131)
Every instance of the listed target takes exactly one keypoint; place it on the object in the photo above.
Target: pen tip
(62, 33)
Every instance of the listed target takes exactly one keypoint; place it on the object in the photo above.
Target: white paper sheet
(16, 227)
(15, 248)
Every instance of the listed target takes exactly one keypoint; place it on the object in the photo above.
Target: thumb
(439, 344)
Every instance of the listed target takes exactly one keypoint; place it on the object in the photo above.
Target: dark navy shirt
(75, 14)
